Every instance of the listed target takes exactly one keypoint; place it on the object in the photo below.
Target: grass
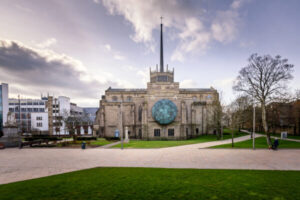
(100, 142)
(92, 143)
(172, 143)
(297, 137)
(156, 183)
(260, 143)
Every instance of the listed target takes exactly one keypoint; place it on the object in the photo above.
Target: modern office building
(30, 114)
(3, 104)
(46, 115)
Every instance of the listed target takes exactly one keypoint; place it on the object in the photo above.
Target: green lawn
(100, 142)
(297, 137)
(171, 143)
(260, 142)
(156, 183)
(92, 143)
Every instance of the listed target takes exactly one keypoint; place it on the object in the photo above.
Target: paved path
(263, 135)
(109, 145)
(28, 163)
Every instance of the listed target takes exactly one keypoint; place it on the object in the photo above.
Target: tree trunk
(264, 121)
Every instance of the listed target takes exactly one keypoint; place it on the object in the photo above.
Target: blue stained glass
(164, 111)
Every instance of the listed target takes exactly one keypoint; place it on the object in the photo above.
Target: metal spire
(161, 47)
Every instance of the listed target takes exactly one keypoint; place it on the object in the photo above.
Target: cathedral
(162, 111)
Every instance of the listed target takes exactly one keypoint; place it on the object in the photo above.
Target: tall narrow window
(114, 98)
(157, 132)
(171, 132)
(140, 114)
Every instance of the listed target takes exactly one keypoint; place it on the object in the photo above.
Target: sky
(79, 48)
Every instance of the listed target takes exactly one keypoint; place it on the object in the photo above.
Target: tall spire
(161, 47)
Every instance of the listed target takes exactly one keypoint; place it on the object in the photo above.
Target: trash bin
(83, 145)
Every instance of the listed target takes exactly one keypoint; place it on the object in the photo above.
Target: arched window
(129, 99)
(114, 98)
(140, 114)
(194, 98)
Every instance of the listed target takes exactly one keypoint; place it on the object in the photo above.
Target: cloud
(108, 47)
(225, 26)
(41, 71)
(49, 42)
(188, 84)
(193, 33)
(116, 54)
(225, 86)
(118, 57)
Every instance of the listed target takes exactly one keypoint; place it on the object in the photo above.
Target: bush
(42, 137)
(86, 138)
(112, 138)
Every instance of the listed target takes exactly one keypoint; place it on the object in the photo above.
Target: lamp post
(253, 133)
(121, 125)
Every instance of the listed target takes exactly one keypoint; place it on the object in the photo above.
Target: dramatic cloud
(49, 42)
(194, 33)
(188, 84)
(115, 54)
(47, 71)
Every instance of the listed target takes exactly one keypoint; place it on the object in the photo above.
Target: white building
(28, 109)
(3, 104)
(45, 115)
(39, 121)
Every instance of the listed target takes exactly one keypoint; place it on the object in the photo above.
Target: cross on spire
(161, 47)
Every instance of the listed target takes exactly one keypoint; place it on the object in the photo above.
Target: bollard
(83, 145)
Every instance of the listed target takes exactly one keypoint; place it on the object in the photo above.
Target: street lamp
(121, 124)
(253, 133)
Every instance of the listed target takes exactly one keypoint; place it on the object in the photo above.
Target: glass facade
(1, 109)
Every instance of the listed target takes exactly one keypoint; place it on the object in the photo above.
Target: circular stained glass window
(164, 111)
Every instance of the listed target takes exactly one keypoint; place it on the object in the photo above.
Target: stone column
(126, 135)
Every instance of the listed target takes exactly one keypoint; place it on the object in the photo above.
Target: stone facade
(179, 113)
(194, 110)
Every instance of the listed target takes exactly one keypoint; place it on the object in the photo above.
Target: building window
(35, 110)
(208, 97)
(29, 109)
(41, 103)
(35, 103)
(23, 109)
(140, 114)
(197, 131)
(11, 109)
(157, 132)
(29, 103)
(11, 104)
(42, 110)
(162, 79)
(140, 133)
(39, 124)
(39, 118)
(171, 132)
(114, 98)
(129, 99)
(194, 98)
(187, 131)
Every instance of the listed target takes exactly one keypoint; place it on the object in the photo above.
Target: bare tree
(215, 121)
(264, 78)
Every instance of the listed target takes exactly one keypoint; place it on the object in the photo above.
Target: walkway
(22, 164)
(263, 135)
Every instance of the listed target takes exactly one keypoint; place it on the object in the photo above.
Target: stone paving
(27, 163)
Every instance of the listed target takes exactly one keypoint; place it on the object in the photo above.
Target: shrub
(86, 138)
